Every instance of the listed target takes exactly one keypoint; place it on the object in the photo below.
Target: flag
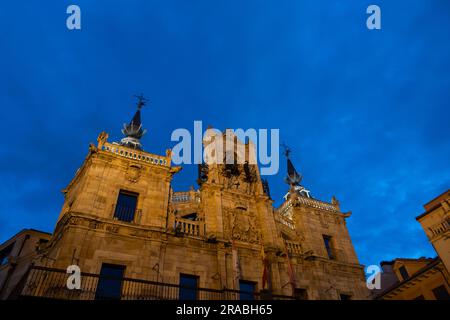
(290, 269)
(236, 266)
(265, 275)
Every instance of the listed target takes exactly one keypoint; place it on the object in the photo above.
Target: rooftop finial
(293, 177)
(287, 150)
(142, 101)
(133, 131)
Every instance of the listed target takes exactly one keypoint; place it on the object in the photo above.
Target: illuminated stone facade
(224, 233)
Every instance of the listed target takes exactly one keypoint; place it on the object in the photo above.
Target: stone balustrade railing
(181, 197)
(189, 227)
(293, 247)
(136, 154)
(309, 202)
(285, 221)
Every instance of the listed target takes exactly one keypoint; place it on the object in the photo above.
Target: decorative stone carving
(113, 229)
(101, 139)
(95, 225)
(243, 226)
(133, 173)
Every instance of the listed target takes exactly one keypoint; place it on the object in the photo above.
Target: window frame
(441, 293)
(246, 295)
(346, 296)
(329, 246)
(301, 294)
(188, 290)
(6, 252)
(403, 272)
(119, 216)
(107, 280)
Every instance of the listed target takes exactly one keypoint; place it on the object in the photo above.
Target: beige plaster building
(423, 279)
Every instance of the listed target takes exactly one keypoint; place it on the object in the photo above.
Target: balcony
(185, 197)
(137, 155)
(189, 227)
(284, 221)
(126, 214)
(314, 203)
(293, 247)
(49, 283)
(439, 228)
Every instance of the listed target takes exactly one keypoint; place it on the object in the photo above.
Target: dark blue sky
(365, 112)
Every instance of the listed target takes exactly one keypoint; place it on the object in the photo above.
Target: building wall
(436, 224)
(421, 284)
(25, 247)
(425, 275)
(234, 218)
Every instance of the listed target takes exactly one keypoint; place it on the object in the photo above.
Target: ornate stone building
(122, 220)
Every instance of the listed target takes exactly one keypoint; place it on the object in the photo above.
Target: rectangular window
(188, 287)
(247, 290)
(345, 296)
(4, 254)
(109, 285)
(328, 246)
(300, 294)
(190, 216)
(403, 272)
(441, 293)
(126, 206)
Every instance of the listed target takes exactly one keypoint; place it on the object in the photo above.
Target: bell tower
(239, 208)
(118, 193)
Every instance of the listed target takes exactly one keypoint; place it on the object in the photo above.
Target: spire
(133, 131)
(293, 178)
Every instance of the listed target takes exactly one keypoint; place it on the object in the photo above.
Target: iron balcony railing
(50, 283)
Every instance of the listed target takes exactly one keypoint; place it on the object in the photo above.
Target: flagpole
(289, 265)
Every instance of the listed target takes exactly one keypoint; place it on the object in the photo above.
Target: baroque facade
(121, 216)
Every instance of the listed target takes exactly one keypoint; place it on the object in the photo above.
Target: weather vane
(141, 101)
(287, 150)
